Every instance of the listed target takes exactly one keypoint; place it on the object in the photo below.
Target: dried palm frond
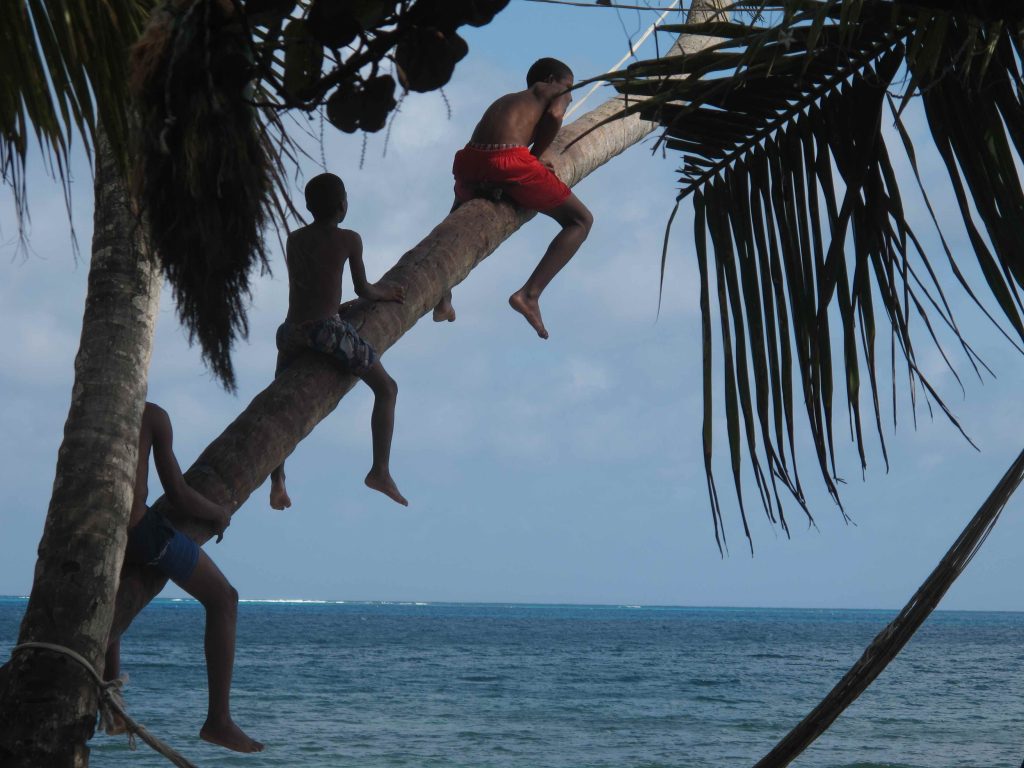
(207, 167)
(804, 261)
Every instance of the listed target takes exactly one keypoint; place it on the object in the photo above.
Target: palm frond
(207, 168)
(63, 72)
(780, 131)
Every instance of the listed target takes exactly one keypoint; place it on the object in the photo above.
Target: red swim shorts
(521, 176)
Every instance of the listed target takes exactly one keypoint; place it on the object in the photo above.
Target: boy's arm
(549, 124)
(184, 498)
(364, 289)
(288, 249)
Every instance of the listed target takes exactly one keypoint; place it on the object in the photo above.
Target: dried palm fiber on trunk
(890, 641)
(206, 168)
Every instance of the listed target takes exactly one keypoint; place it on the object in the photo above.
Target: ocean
(383, 685)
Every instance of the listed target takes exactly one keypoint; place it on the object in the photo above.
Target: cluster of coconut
(354, 37)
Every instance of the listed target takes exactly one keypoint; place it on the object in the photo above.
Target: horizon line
(518, 604)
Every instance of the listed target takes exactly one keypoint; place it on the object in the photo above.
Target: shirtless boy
(152, 541)
(504, 152)
(316, 256)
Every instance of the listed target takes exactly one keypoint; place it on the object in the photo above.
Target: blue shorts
(154, 541)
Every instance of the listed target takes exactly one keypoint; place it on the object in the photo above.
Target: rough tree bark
(47, 701)
(277, 419)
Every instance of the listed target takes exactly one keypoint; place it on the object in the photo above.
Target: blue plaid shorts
(333, 336)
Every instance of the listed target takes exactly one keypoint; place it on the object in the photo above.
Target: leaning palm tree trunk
(897, 633)
(47, 701)
(277, 419)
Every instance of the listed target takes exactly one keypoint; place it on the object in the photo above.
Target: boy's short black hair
(547, 67)
(324, 193)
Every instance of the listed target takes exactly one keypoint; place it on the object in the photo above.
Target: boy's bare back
(155, 436)
(142, 466)
(316, 257)
(515, 117)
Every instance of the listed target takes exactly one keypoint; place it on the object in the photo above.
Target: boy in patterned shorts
(316, 255)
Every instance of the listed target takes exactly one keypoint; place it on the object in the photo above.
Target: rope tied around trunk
(112, 703)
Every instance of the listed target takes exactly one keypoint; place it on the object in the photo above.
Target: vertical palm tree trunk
(277, 419)
(47, 701)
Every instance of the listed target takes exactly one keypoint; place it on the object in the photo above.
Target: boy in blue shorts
(153, 541)
(316, 256)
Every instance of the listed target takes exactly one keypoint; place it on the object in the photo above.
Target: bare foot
(385, 484)
(444, 309)
(229, 736)
(530, 309)
(442, 314)
(279, 498)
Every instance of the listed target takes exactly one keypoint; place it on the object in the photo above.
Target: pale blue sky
(559, 471)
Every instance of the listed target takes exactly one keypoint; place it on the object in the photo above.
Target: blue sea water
(383, 685)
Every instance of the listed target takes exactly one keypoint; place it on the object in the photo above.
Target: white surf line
(629, 54)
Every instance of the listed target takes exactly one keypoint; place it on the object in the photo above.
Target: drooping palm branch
(208, 167)
(800, 260)
(63, 72)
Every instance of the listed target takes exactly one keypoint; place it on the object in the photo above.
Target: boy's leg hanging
(444, 311)
(279, 498)
(382, 427)
(576, 221)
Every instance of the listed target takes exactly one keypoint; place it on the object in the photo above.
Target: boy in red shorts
(504, 153)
